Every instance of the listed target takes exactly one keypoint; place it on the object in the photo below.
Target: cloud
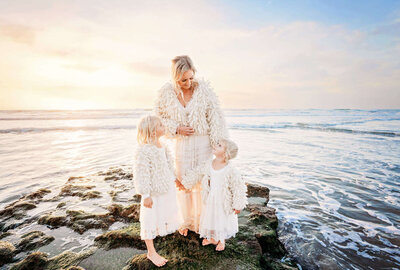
(150, 69)
(127, 46)
(18, 33)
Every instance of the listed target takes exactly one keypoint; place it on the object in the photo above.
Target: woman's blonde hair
(231, 149)
(146, 129)
(181, 64)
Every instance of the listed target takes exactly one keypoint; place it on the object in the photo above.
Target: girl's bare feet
(157, 259)
(183, 232)
(220, 246)
(208, 242)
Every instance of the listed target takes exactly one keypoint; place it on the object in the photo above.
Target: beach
(333, 177)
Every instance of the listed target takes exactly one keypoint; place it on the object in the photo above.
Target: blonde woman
(191, 113)
(154, 180)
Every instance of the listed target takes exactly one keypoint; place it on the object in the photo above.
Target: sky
(100, 54)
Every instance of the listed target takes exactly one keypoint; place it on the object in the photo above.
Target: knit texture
(150, 174)
(204, 112)
(235, 189)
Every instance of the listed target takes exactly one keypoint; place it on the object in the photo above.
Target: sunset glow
(98, 54)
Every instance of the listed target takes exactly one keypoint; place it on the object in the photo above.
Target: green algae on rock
(256, 245)
(39, 260)
(7, 252)
(33, 240)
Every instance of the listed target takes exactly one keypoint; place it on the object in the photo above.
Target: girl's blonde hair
(231, 149)
(181, 64)
(146, 130)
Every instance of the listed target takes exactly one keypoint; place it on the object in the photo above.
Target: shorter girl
(223, 195)
(154, 180)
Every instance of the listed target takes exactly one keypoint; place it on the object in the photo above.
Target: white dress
(214, 222)
(163, 218)
(190, 152)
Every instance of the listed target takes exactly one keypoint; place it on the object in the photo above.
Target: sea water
(334, 175)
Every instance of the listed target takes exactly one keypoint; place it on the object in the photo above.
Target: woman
(191, 113)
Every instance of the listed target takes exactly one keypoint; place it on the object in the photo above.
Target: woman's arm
(162, 105)
(215, 118)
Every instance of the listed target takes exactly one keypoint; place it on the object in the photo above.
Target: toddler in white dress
(223, 195)
(154, 180)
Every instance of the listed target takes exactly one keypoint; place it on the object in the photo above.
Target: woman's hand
(148, 202)
(179, 185)
(185, 131)
(236, 211)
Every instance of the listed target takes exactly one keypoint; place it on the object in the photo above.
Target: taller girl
(191, 113)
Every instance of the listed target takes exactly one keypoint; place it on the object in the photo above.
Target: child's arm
(141, 173)
(239, 190)
(192, 177)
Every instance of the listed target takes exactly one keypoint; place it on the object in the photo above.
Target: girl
(154, 180)
(223, 194)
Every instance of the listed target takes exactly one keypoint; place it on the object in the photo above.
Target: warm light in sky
(103, 54)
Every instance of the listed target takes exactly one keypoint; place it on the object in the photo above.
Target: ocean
(334, 175)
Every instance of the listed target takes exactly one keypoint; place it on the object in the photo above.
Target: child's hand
(236, 211)
(148, 202)
(179, 185)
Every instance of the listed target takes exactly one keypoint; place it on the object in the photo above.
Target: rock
(33, 240)
(7, 251)
(34, 261)
(74, 268)
(5, 234)
(66, 260)
(263, 215)
(258, 191)
(61, 204)
(128, 213)
(255, 246)
(78, 220)
(54, 221)
(74, 190)
(125, 237)
(91, 194)
(39, 194)
(17, 209)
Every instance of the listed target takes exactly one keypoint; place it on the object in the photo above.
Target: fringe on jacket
(235, 189)
(150, 174)
(204, 111)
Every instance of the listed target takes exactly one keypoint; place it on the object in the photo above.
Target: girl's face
(186, 81)
(160, 130)
(219, 150)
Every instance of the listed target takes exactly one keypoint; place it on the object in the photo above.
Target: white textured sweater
(203, 111)
(234, 195)
(152, 172)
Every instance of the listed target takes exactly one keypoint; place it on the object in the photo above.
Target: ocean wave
(314, 127)
(84, 128)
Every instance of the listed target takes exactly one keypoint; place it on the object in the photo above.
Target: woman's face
(186, 81)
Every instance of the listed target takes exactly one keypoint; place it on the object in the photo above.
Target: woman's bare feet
(183, 232)
(157, 259)
(220, 246)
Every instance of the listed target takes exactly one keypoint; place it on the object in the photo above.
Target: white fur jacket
(152, 172)
(235, 190)
(202, 112)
